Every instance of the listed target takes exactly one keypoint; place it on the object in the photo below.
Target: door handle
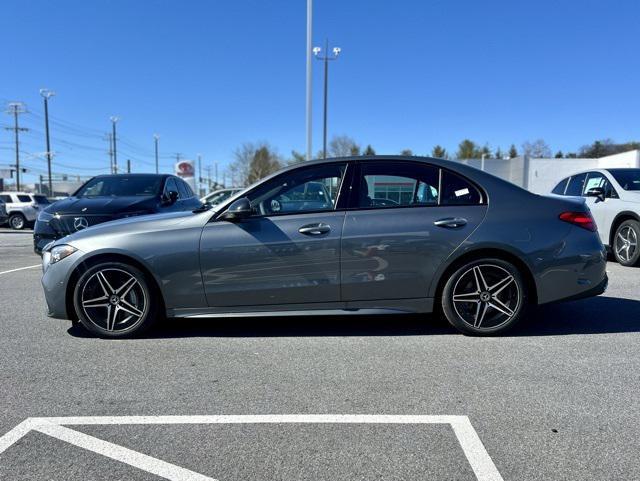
(451, 222)
(315, 229)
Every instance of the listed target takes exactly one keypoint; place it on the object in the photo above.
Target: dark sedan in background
(109, 197)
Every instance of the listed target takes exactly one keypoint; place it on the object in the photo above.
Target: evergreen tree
(439, 152)
(513, 153)
(559, 154)
(467, 149)
(369, 150)
(407, 152)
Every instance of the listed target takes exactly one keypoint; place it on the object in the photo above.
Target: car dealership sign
(186, 169)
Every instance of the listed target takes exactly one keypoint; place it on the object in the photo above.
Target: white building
(541, 175)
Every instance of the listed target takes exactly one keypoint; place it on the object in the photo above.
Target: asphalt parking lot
(556, 399)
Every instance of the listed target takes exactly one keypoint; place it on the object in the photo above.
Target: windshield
(121, 186)
(629, 179)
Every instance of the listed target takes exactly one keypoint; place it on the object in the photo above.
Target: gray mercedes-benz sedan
(354, 235)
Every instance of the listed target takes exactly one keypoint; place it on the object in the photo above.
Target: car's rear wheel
(625, 243)
(114, 299)
(17, 221)
(484, 297)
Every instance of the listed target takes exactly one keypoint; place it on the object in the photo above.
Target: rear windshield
(629, 179)
(41, 199)
(121, 186)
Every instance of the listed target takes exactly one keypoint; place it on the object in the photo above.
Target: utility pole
(216, 170)
(326, 58)
(15, 109)
(128, 166)
(209, 178)
(309, 75)
(199, 175)
(114, 120)
(46, 95)
(155, 142)
(110, 152)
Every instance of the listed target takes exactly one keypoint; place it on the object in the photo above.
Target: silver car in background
(613, 195)
(354, 236)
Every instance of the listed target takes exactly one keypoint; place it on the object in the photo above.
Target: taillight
(581, 219)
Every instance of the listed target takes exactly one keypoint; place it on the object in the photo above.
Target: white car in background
(23, 207)
(220, 195)
(613, 195)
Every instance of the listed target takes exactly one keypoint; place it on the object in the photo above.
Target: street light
(46, 95)
(326, 58)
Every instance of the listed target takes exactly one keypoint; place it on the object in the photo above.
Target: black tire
(116, 309)
(626, 243)
(17, 221)
(487, 303)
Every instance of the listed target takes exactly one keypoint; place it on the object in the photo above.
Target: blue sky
(209, 75)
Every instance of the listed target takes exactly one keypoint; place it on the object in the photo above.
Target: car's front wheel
(114, 299)
(17, 221)
(625, 243)
(484, 297)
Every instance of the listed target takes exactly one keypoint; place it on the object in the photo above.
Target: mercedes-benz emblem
(80, 223)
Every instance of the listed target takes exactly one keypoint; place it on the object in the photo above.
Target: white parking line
(472, 446)
(20, 269)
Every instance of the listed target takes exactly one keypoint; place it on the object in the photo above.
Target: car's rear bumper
(575, 269)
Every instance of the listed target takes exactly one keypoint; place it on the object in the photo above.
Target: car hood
(101, 205)
(137, 224)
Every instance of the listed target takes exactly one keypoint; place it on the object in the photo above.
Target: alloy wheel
(626, 243)
(113, 300)
(486, 297)
(17, 222)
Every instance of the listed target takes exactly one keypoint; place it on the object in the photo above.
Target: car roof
(7, 192)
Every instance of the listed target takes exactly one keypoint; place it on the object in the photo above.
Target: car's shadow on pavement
(598, 315)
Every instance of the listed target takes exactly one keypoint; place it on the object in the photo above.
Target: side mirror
(596, 192)
(238, 210)
(170, 197)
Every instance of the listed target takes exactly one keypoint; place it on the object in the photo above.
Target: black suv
(108, 197)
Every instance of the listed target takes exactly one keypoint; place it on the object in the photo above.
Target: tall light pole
(46, 95)
(155, 142)
(114, 120)
(309, 74)
(326, 58)
(199, 175)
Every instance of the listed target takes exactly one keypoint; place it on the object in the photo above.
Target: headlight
(44, 216)
(60, 252)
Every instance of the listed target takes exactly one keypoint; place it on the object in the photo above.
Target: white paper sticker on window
(462, 192)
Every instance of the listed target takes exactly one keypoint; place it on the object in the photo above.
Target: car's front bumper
(55, 280)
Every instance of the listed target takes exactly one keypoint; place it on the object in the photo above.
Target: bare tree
(343, 146)
(253, 162)
(536, 149)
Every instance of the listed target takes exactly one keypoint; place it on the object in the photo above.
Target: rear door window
(576, 185)
(6, 198)
(397, 184)
(24, 198)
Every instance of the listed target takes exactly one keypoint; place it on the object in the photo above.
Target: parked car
(469, 250)
(4, 217)
(613, 195)
(108, 197)
(218, 196)
(23, 207)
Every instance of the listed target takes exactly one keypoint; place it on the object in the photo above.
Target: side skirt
(388, 306)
